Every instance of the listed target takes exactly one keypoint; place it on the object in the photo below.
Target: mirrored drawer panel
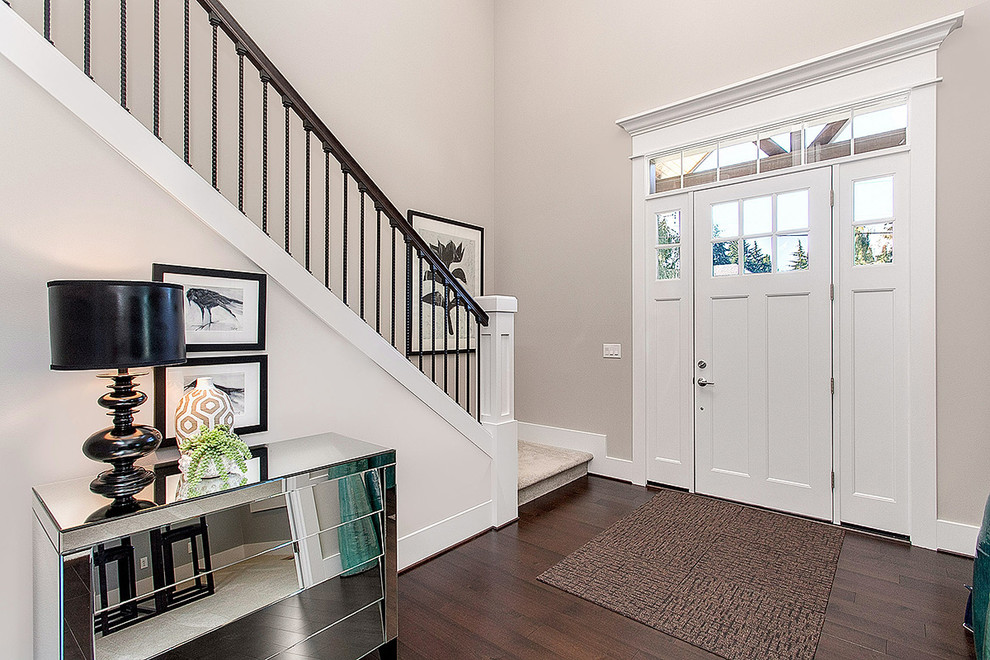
(303, 618)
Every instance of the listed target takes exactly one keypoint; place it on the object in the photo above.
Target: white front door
(763, 342)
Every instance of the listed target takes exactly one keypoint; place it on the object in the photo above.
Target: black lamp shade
(103, 324)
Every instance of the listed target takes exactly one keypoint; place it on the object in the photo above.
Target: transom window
(835, 134)
(761, 234)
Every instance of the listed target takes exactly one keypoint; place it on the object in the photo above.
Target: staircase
(285, 172)
(543, 469)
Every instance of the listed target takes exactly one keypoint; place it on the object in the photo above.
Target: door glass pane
(757, 215)
(666, 173)
(737, 157)
(792, 210)
(880, 127)
(827, 137)
(668, 228)
(873, 199)
(725, 258)
(668, 263)
(725, 219)
(873, 244)
(792, 252)
(700, 165)
(756, 253)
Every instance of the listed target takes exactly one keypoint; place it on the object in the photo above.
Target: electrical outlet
(144, 562)
(613, 351)
(189, 547)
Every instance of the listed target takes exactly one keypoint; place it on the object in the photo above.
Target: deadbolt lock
(702, 364)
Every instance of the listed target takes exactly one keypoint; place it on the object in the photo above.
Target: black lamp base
(121, 445)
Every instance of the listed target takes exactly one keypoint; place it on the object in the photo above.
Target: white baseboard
(959, 538)
(593, 443)
(439, 536)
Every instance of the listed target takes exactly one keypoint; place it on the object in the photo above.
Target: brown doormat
(739, 582)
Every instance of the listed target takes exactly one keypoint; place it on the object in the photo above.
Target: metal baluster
(309, 131)
(378, 268)
(87, 24)
(156, 75)
(446, 320)
(215, 23)
(344, 236)
(123, 54)
(185, 82)
(477, 357)
(394, 230)
(433, 324)
(48, 21)
(265, 79)
(241, 52)
(326, 215)
(287, 104)
(457, 347)
(419, 301)
(362, 190)
(409, 295)
(467, 362)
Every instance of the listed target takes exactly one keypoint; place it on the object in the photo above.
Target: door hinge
(833, 480)
(831, 198)
(832, 385)
(831, 292)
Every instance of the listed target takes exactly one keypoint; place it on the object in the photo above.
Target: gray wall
(566, 70)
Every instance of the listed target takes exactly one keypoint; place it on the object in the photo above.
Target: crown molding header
(883, 50)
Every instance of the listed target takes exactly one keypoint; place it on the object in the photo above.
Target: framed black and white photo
(225, 309)
(243, 378)
(461, 248)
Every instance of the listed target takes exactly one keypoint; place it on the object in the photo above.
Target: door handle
(704, 383)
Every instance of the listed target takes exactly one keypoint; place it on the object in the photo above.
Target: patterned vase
(202, 405)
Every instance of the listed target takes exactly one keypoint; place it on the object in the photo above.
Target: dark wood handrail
(257, 56)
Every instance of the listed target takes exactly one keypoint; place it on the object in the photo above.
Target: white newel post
(498, 410)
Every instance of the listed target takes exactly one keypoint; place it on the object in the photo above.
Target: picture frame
(225, 310)
(461, 247)
(167, 474)
(243, 377)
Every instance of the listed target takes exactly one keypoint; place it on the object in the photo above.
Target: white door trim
(901, 62)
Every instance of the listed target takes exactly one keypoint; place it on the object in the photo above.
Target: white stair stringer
(59, 77)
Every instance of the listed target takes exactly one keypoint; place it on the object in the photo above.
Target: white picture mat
(247, 334)
(175, 378)
(433, 231)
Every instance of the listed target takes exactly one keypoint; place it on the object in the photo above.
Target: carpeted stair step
(543, 469)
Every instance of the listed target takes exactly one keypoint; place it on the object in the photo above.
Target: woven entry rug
(739, 582)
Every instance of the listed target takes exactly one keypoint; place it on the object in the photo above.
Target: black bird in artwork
(206, 300)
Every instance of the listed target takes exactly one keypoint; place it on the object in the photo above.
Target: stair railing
(373, 293)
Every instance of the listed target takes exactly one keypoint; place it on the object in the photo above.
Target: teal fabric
(981, 588)
(359, 540)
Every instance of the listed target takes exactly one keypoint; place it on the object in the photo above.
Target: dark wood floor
(482, 599)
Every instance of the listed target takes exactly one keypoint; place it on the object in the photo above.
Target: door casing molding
(904, 62)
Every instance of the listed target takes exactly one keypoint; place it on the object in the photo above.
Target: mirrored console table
(300, 563)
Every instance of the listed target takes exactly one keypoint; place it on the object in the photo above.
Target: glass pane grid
(775, 234)
(871, 126)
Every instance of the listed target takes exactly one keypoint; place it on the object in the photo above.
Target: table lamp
(102, 324)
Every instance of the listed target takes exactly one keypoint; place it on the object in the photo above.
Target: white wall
(408, 87)
(72, 208)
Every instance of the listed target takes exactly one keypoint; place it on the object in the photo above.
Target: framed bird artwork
(224, 309)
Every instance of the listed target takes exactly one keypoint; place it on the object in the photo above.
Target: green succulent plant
(212, 445)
